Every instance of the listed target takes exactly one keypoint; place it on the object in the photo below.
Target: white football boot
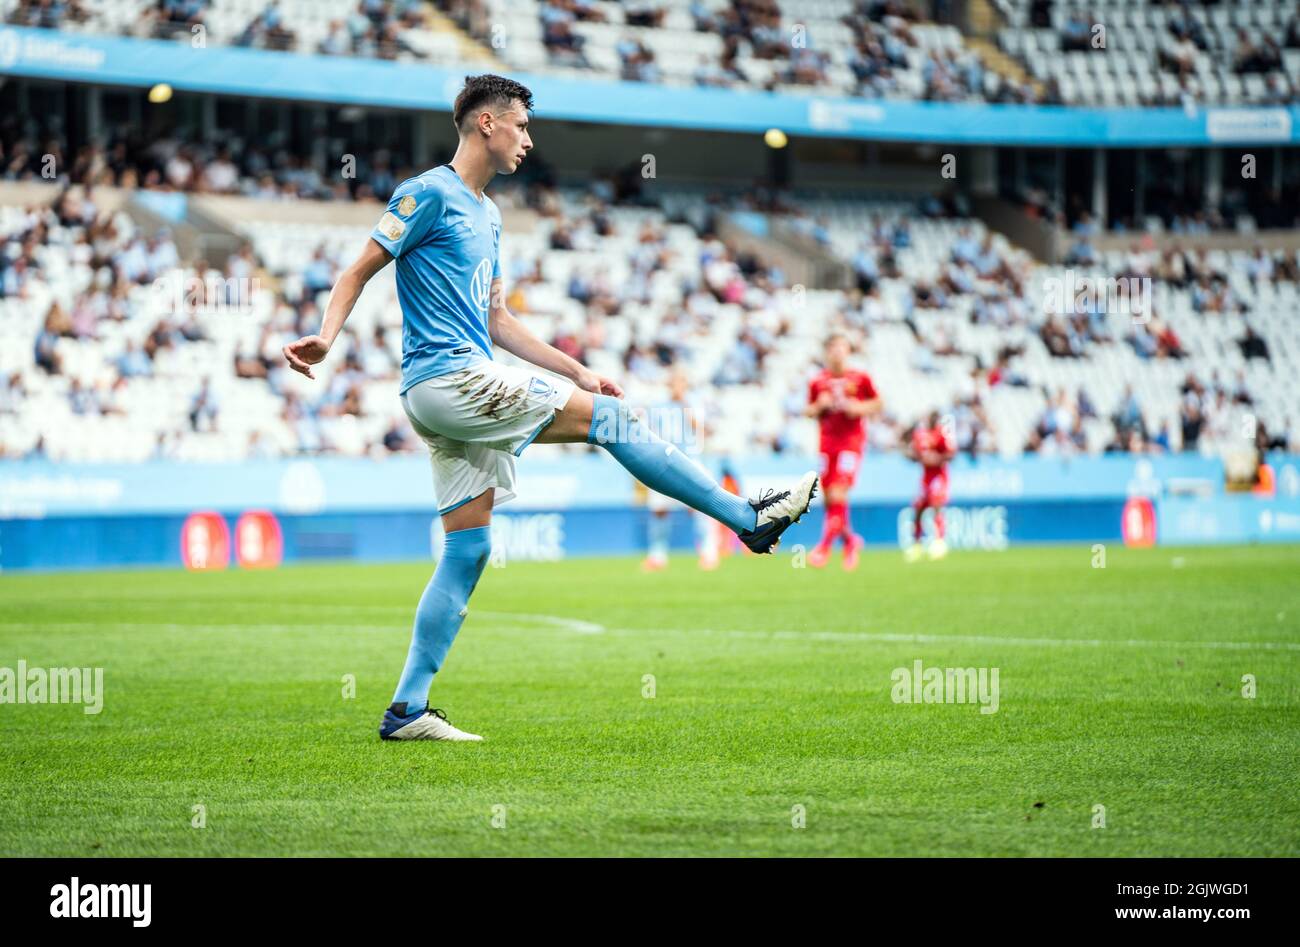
(430, 724)
(777, 512)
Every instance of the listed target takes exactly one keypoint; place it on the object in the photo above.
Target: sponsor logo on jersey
(480, 284)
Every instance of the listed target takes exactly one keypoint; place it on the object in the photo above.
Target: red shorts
(934, 490)
(840, 467)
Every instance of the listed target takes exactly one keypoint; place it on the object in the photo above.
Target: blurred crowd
(992, 280)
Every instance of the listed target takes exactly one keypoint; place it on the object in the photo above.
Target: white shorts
(477, 420)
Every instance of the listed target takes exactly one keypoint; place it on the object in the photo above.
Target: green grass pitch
(1119, 687)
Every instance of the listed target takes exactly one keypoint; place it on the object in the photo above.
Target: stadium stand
(1103, 53)
(385, 29)
(1159, 53)
(115, 349)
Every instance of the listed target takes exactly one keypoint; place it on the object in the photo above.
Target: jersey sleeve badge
(390, 226)
(406, 206)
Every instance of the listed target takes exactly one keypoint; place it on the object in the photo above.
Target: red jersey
(839, 429)
(936, 441)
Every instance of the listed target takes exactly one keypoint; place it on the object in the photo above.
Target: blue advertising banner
(549, 479)
(88, 542)
(1227, 519)
(258, 514)
(125, 61)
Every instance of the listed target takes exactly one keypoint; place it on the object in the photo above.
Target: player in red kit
(840, 398)
(932, 448)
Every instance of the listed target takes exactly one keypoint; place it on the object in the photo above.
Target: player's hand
(306, 352)
(588, 380)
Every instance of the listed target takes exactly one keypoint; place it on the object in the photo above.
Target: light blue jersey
(447, 244)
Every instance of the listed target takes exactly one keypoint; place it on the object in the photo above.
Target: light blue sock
(441, 612)
(662, 467)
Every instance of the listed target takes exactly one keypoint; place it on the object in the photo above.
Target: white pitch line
(579, 626)
(886, 637)
(576, 625)
(558, 621)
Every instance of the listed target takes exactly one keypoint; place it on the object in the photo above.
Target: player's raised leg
(610, 423)
(438, 618)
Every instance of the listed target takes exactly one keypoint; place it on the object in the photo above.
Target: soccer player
(476, 415)
(840, 398)
(932, 448)
(679, 422)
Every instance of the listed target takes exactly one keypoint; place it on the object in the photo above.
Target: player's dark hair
(491, 90)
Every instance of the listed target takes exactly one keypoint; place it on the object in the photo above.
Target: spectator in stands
(14, 277)
(133, 363)
(638, 60)
(1253, 346)
(703, 17)
(1081, 253)
(204, 408)
(46, 14)
(1129, 413)
(12, 394)
(926, 296)
(1076, 34)
(807, 67)
(82, 400)
(395, 439)
(1057, 338)
(563, 45)
(337, 41)
(318, 275)
(639, 12)
(220, 176)
(179, 17)
(45, 354)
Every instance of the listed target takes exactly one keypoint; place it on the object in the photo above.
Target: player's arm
(948, 452)
(868, 403)
(818, 403)
(864, 407)
(908, 443)
(517, 339)
(312, 349)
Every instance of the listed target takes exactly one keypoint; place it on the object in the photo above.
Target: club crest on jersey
(539, 386)
(406, 206)
(480, 284)
(390, 226)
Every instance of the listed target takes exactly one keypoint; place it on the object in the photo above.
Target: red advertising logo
(205, 542)
(259, 543)
(1139, 523)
